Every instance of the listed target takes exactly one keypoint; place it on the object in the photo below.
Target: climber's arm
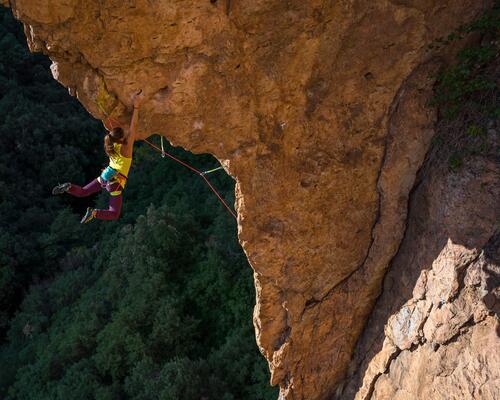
(132, 133)
(138, 98)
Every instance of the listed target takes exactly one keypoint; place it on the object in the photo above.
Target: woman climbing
(118, 145)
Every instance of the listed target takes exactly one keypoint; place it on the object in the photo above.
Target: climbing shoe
(89, 216)
(62, 188)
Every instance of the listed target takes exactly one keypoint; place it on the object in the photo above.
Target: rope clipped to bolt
(202, 174)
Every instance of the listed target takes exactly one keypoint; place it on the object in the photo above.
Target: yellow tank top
(118, 162)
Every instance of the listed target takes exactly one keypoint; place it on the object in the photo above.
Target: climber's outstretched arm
(132, 131)
(135, 117)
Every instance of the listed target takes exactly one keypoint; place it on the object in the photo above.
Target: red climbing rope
(196, 172)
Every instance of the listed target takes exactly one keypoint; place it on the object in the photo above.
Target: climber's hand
(138, 98)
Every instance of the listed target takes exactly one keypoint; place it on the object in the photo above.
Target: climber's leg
(115, 203)
(88, 190)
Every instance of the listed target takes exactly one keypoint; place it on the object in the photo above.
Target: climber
(118, 145)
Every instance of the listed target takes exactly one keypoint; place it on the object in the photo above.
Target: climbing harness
(202, 174)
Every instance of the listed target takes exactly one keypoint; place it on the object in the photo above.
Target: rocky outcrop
(434, 331)
(316, 108)
(443, 343)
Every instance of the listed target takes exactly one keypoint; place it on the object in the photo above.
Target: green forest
(156, 305)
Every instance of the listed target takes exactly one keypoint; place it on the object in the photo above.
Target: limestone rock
(459, 355)
(317, 109)
(466, 369)
(445, 335)
(405, 328)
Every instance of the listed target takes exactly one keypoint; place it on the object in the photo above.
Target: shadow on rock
(437, 311)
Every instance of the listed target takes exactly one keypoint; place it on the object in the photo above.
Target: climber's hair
(115, 135)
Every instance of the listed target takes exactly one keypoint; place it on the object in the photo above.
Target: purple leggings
(115, 202)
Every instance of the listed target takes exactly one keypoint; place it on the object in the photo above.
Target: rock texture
(434, 331)
(320, 103)
(443, 343)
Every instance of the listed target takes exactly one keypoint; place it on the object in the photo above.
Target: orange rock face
(316, 108)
